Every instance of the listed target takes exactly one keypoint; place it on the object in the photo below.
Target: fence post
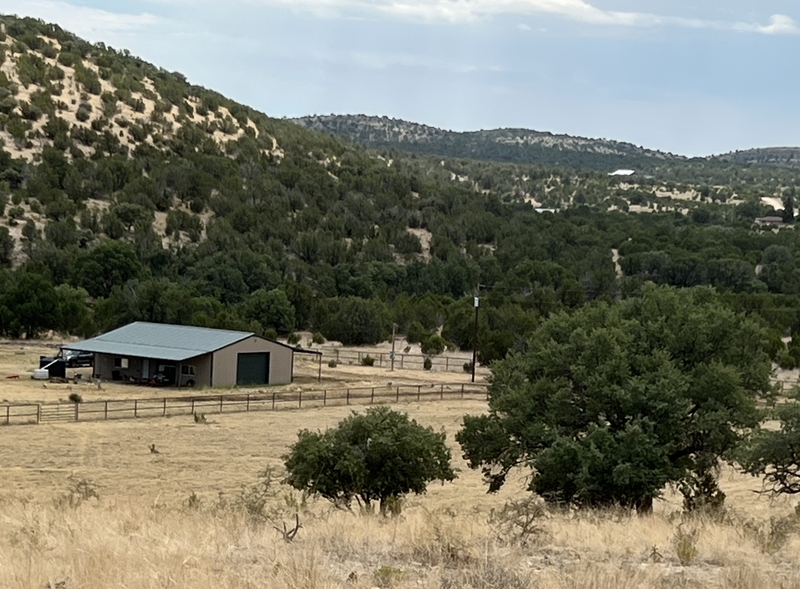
(300, 400)
(248, 402)
(8, 414)
(397, 399)
(380, 362)
(372, 396)
(135, 408)
(348, 396)
(273, 400)
(164, 412)
(77, 405)
(441, 393)
(105, 411)
(447, 363)
(419, 391)
(220, 403)
(462, 390)
(38, 414)
(325, 398)
(402, 357)
(192, 406)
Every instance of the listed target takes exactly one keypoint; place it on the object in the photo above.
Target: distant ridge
(522, 146)
(786, 157)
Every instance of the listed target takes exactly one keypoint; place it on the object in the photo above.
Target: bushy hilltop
(128, 193)
(505, 145)
(772, 156)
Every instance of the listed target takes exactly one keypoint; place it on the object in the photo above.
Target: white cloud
(779, 24)
(91, 23)
(523, 27)
(455, 11)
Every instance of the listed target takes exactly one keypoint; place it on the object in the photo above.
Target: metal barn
(184, 356)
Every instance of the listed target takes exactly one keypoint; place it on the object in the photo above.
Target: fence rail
(402, 361)
(30, 414)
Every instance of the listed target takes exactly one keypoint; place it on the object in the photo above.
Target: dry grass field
(179, 518)
(89, 506)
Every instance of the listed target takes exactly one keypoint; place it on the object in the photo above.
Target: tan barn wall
(202, 369)
(225, 361)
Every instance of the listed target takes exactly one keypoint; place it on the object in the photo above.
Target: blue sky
(689, 77)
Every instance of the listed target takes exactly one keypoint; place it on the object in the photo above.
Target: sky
(694, 78)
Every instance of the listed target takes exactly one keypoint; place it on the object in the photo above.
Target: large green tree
(379, 456)
(614, 402)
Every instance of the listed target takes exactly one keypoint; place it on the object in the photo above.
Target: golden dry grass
(142, 533)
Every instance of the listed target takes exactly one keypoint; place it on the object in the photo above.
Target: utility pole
(391, 356)
(477, 303)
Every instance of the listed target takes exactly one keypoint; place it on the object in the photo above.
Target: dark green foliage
(355, 321)
(775, 454)
(110, 264)
(434, 345)
(271, 308)
(614, 402)
(380, 456)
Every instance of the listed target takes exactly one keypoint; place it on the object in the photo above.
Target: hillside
(128, 193)
(503, 145)
(772, 156)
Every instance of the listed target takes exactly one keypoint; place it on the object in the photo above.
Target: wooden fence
(30, 414)
(402, 361)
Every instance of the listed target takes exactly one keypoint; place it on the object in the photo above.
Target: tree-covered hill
(127, 193)
(788, 157)
(520, 146)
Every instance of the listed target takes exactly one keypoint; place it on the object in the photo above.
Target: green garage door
(252, 369)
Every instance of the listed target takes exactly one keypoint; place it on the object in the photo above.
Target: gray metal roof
(160, 341)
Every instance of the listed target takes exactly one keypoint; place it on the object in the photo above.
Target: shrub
(468, 367)
(416, 333)
(376, 457)
(318, 338)
(332, 364)
(293, 339)
(427, 364)
(685, 545)
(387, 577)
(434, 345)
(270, 333)
(75, 398)
(368, 361)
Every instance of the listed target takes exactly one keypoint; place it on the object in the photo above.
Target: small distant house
(184, 356)
(770, 221)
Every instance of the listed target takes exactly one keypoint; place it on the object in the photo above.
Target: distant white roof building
(623, 173)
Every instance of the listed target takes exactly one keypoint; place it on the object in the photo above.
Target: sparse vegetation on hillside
(148, 198)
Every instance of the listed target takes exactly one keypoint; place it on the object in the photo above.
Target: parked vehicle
(77, 359)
